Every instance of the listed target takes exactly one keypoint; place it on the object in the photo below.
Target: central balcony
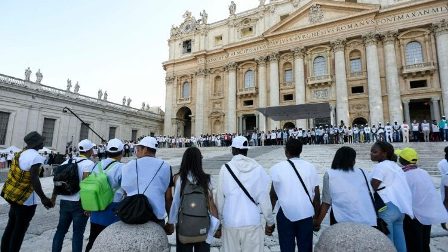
(418, 69)
(287, 85)
(321, 80)
(247, 91)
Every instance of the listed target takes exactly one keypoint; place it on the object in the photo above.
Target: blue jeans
(70, 211)
(290, 232)
(394, 219)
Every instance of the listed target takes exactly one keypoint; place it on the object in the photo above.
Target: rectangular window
(4, 120)
(218, 40)
(355, 66)
(248, 31)
(248, 103)
(288, 75)
(358, 90)
(112, 131)
(134, 135)
(48, 130)
(288, 97)
(418, 84)
(84, 133)
(186, 46)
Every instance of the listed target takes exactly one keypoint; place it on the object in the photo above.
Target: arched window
(249, 79)
(355, 62)
(217, 85)
(320, 66)
(186, 90)
(414, 53)
(287, 73)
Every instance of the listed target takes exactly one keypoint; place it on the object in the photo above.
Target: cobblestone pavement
(43, 226)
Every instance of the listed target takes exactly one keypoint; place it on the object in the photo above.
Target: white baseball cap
(114, 146)
(85, 145)
(149, 142)
(240, 142)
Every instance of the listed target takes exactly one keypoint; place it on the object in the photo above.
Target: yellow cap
(397, 152)
(409, 155)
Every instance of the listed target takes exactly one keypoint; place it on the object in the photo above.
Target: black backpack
(66, 178)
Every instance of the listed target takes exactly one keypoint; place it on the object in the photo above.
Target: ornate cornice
(201, 72)
(389, 37)
(338, 45)
(261, 60)
(440, 28)
(274, 56)
(298, 52)
(230, 66)
(170, 79)
(370, 38)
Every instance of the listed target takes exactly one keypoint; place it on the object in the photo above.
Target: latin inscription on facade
(320, 94)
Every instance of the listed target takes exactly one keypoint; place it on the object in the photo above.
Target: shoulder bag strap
(111, 163)
(153, 177)
(368, 189)
(240, 185)
(301, 180)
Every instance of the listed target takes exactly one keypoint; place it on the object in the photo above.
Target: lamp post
(65, 109)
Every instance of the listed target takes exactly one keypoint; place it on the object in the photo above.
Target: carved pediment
(319, 12)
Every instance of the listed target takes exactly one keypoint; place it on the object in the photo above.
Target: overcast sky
(113, 45)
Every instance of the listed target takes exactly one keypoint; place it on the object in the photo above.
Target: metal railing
(419, 66)
(319, 79)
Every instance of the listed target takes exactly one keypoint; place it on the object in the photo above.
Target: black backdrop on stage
(294, 112)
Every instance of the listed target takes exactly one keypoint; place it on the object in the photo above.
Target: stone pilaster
(393, 86)
(299, 80)
(231, 98)
(407, 115)
(169, 105)
(435, 108)
(341, 82)
(274, 92)
(261, 61)
(441, 33)
(200, 120)
(373, 79)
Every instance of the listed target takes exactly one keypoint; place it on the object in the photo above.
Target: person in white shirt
(112, 167)
(191, 170)
(23, 206)
(154, 179)
(415, 130)
(397, 132)
(367, 131)
(443, 168)
(346, 191)
(388, 129)
(390, 182)
(239, 213)
(273, 138)
(426, 128)
(435, 131)
(292, 199)
(426, 204)
(9, 158)
(70, 206)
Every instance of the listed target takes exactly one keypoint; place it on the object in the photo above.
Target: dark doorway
(183, 122)
(249, 123)
(322, 122)
(420, 110)
(289, 125)
(359, 121)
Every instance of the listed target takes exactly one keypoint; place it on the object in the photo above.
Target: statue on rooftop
(232, 8)
(143, 105)
(69, 85)
(204, 16)
(28, 74)
(39, 77)
(105, 95)
(76, 89)
(100, 94)
(129, 101)
(124, 100)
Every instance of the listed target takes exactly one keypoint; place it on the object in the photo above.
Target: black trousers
(190, 247)
(19, 220)
(95, 230)
(417, 235)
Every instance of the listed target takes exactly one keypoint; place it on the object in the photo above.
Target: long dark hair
(446, 153)
(344, 159)
(192, 163)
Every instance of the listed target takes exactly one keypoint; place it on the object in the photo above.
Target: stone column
(299, 80)
(169, 81)
(231, 98)
(199, 115)
(341, 82)
(261, 61)
(407, 116)
(435, 108)
(373, 79)
(393, 86)
(332, 114)
(441, 33)
(274, 92)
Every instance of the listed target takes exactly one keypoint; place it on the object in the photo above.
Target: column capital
(440, 28)
(370, 38)
(169, 79)
(406, 101)
(201, 72)
(261, 60)
(230, 66)
(274, 56)
(299, 52)
(389, 37)
(338, 45)
(435, 99)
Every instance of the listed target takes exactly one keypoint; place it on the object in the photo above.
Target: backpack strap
(301, 181)
(240, 185)
(370, 193)
(110, 164)
(136, 169)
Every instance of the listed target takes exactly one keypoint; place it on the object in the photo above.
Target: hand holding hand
(169, 229)
(218, 234)
(47, 203)
(268, 230)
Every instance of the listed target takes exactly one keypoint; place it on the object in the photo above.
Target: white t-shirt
(84, 166)
(113, 173)
(27, 159)
(444, 183)
(426, 203)
(396, 188)
(292, 197)
(414, 126)
(10, 157)
(443, 166)
(147, 169)
(425, 127)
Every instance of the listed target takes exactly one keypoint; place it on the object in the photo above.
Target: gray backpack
(193, 220)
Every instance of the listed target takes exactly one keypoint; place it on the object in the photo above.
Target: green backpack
(96, 193)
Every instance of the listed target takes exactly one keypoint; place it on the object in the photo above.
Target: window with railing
(249, 79)
(355, 65)
(186, 90)
(320, 66)
(48, 131)
(414, 53)
(4, 120)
